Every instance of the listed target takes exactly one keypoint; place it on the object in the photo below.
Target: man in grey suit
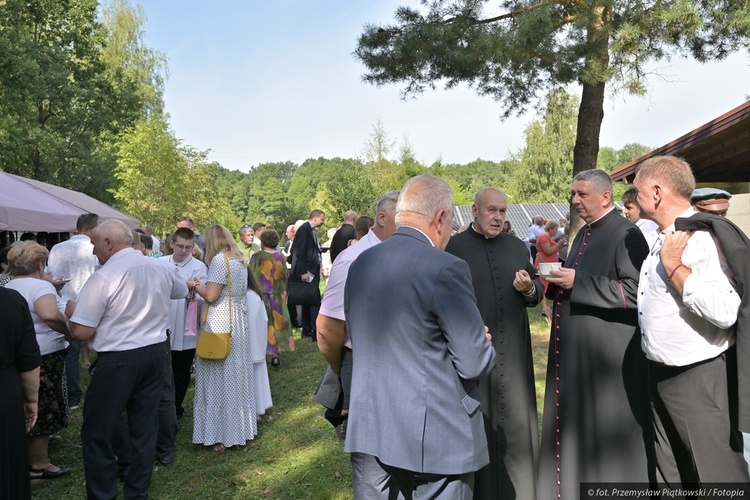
(421, 346)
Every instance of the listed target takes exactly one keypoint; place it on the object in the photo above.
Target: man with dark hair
(596, 410)
(259, 227)
(187, 222)
(306, 258)
(157, 243)
(346, 232)
(74, 259)
(147, 247)
(690, 298)
(505, 285)
(632, 211)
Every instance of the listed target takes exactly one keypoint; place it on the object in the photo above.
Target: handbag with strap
(216, 345)
(302, 293)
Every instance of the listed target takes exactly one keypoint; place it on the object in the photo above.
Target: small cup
(545, 268)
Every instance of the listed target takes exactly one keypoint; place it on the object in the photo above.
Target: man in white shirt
(183, 342)
(368, 478)
(123, 309)
(535, 230)
(74, 259)
(687, 310)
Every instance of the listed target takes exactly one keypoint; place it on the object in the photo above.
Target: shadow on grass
(295, 455)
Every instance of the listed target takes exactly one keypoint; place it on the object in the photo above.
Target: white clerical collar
(471, 226)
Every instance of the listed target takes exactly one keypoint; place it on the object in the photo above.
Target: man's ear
(380, 219)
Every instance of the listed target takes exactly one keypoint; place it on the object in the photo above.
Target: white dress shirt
(189, 269)
(534, 232)
(681, 330)
(332, 304)
(649, 229)
(127, 301)
(74, 260)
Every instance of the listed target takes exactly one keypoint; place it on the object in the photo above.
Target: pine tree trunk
(591, 110)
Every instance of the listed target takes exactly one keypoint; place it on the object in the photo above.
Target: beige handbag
(216, 345)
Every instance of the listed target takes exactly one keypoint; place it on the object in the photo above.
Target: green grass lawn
(296, 454)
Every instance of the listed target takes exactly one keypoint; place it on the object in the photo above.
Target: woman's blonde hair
(220, 240)
(551, 224)
(24, 258)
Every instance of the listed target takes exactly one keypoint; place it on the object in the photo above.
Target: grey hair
(598, 178)
(116, 231)
(481, 192)
(387, 202)
(424, 196)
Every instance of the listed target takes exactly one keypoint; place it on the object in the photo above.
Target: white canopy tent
(29, 205)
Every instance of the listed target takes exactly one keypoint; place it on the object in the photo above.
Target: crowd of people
(140, 303)
(644, 373)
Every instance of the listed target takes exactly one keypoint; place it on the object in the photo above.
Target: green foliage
(151, 174)
(67, 92)
(517, 54)
(609, 158)
(136, 71)
(542, 170)
(160, 180)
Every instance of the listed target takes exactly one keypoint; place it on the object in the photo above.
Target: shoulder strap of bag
(229, 296)
(229, 291)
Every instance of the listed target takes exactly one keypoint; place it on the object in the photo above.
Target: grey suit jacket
(419, 348)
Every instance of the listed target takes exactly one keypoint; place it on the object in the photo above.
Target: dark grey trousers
(417, 485)
(695, 439)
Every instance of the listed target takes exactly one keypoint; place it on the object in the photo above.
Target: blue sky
(262, 81)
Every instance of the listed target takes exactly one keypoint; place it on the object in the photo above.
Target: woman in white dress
(257, 318)
(224, 412)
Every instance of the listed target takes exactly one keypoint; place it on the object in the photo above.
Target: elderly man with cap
(711, 200)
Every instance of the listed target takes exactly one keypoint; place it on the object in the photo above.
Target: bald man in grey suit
(420, 345)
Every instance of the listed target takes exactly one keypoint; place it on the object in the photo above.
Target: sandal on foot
(48, 474)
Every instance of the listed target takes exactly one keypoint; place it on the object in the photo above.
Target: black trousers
(695, 439)
(181, 363)
(131, 381)
(73, 372)
(309, 316)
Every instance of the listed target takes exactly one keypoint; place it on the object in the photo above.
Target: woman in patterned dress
(269, 271)
(224, 413)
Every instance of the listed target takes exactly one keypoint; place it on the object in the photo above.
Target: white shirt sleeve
(91, 303)
(707, 292)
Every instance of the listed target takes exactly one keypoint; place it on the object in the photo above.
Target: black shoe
(275, 362)
(48, 474)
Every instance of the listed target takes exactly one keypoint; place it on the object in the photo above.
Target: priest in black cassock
(596, 424)
(505, 284)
